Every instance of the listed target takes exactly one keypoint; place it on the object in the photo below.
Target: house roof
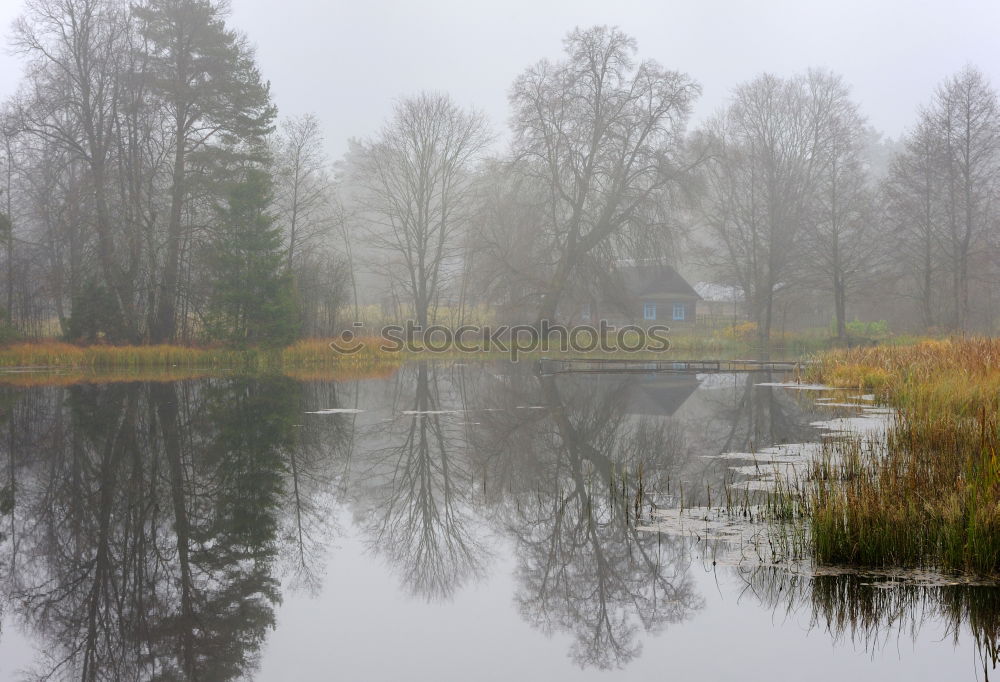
(652, 395)
(656, 280)
(661, 394)
(724, 293)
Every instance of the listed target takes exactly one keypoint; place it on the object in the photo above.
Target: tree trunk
(165, 398)
(166, 317)
(840, 307)
(928, 284)
(764, 331)
(553, 292)
(10, 235)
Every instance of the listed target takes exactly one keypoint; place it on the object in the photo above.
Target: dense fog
(153, 191)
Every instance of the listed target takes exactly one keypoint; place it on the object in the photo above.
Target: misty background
(346, 62)
(799, 157)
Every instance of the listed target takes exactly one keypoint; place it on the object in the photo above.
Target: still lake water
(447, 522)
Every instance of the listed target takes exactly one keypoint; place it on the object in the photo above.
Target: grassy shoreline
(50, 362)
(929, 495)
(310, 353)
(318, 353)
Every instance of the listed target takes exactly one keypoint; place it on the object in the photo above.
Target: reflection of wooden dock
(637, 366)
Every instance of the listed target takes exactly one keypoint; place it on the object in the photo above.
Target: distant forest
(151, 193)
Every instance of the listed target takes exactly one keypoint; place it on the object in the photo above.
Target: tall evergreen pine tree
(252, 299)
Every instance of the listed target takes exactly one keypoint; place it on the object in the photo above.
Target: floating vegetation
(795, 386)
(734, 536)
(914, 485)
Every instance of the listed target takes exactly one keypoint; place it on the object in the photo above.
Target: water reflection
(150, 529)
(417, 480)
(874, 611)
(583, 566)
(144, 526)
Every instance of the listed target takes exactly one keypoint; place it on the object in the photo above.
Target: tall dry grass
(65, 355)
(29, 364)
(929, 496)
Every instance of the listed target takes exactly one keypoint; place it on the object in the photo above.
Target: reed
(64, 355)
(58, 364)
(929, 494)
(72, 377)
(318, 353)
(312, 353)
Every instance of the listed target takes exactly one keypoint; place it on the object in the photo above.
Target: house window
(678, 311)
(585, 312)
(649, 311)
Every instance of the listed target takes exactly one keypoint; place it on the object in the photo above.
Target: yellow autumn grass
(929, 495)
(54, 362)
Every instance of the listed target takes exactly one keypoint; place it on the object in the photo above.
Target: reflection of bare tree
(148, 521)
(584, 568)
(755, 416)
(147, 524)
(76, 564)
(307, 525)
(421, 482)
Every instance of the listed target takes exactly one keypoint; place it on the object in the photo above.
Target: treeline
(796, 200)
(150, 195)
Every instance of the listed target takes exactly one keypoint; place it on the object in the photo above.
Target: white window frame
(683, 312)
(649, 311)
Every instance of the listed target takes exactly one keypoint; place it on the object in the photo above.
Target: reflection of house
(661, 395)
(652, 395)
(644, 295)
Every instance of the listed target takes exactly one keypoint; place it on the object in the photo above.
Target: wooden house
(640, 294)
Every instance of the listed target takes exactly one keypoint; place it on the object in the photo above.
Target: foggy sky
(347, 61)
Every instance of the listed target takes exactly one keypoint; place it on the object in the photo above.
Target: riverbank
(313, 353)
(929, 494)
(303, 354)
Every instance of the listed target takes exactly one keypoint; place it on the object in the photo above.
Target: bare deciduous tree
(943, 188)
(414, 179)
(966, 116)
(913, 214)
(602, 136)
(77, 48)
(767, 149)
(840, 238)
(8, 131)
(304, 190)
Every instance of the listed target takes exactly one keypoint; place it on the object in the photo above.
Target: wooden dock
(637, 366)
